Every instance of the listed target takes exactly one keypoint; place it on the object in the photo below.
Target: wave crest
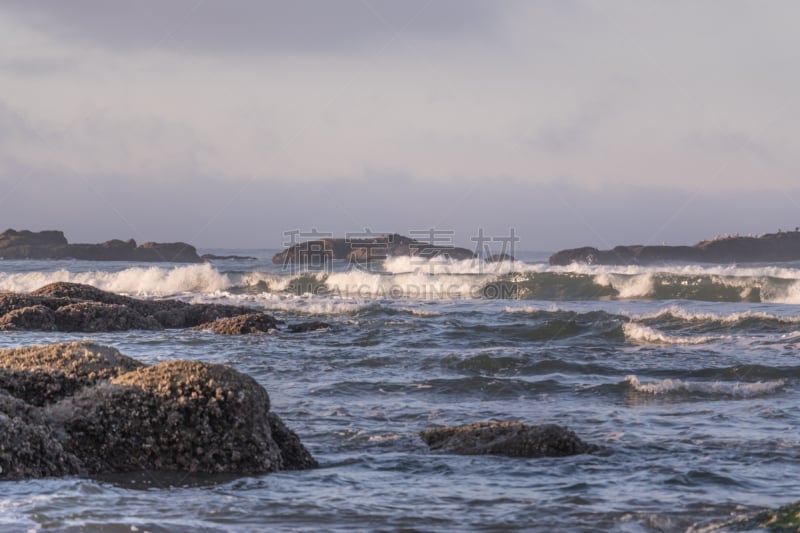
(721, 388)
(139, 281)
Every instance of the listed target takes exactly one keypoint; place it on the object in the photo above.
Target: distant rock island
(53, 245)
(770, 247)
(362, 251)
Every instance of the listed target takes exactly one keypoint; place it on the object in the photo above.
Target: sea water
(686, 377)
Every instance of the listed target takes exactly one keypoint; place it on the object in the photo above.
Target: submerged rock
(81, 408)
(303, 327)
(513, 439)
(241, 325)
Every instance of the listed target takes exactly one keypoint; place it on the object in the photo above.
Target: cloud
(256, 26)
(215, 213)
(446, 90)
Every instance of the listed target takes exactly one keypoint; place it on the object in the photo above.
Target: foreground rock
(76, 307)
(365, 251)
(513, 439)
(40, 375)
(85, 409)
(772, 247)
(53, 245)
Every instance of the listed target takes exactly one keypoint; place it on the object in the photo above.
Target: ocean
(686, 376)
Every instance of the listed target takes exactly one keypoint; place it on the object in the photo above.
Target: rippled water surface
(685, 376)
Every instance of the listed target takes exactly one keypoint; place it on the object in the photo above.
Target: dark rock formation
(53, 245)
(295, 456)
(75, 307)
(29, 448)
(771, 247)
(96, 316)
(365, 251)
(242, 324)
(303, 327)
(34, 317)
(513, 439)
(84, 409)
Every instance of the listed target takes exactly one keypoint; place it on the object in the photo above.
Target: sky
(229, 124)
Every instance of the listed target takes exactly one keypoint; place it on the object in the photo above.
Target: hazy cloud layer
(382, 102)
(252, 26)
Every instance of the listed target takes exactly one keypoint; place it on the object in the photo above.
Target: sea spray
(138, 281)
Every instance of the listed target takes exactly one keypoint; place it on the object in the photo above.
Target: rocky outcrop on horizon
(83, 409)
(513, 439)
(771, 247)
(364, 251)
(53, 245)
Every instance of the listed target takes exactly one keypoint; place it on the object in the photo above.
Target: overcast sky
(226, 124)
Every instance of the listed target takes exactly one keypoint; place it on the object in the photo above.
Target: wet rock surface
(241, 325)
(29, 448)
(66, 306)
(40, 375)
(79, 408)
(784, 519)
(513, 439)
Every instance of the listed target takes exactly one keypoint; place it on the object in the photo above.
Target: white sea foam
(637, 286)
(530, 309)
(318, 306)
(140, 281)
(737, 389)
(776, 284)
(688, 316)
(419, 312)
(306, 304)
(420, 285)
(788, 295)
(275, 282)
(441, 265)
(642, 334)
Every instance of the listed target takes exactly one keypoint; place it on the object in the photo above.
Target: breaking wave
(642, 334)
(139, 281)
(716, 388)
(412, 278)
